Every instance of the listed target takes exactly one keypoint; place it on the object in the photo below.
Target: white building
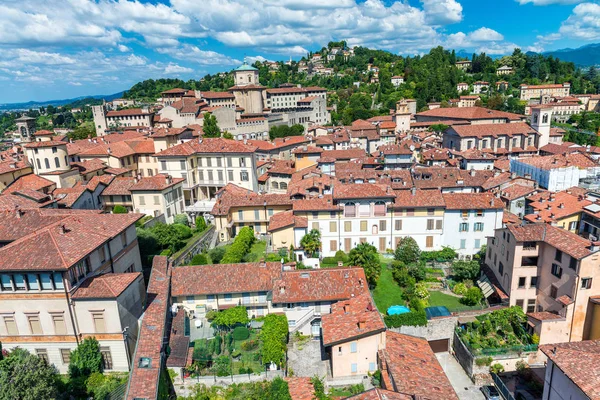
(397, 80)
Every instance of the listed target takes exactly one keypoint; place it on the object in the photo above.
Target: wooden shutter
(333, 245)
(347, 244)
(430, 224)
(398, 225)
(381, 244)
(429, 241)
(438, 224)
(347, 226)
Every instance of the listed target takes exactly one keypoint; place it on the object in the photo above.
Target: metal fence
(502, 388)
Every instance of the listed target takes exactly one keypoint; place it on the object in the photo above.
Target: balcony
(529, 262)
(530, 249)
(212, 182)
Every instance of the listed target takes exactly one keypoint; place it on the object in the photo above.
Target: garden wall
(436, 329)
(185, 388)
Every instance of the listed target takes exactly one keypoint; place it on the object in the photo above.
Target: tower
(99, 113)
(245, 75)
(541, 117)
(26, 127)
(402, 116)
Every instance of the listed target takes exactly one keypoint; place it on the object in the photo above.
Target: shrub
(211, 315)
(182, 231)
(242, 370)
(446, 254)
(481, 361)
(200, 223)
(166, 252)
(421, 291)
(274, 338)
(236, 353)
(216, 254)
(535, 338)
(240, 247)
(119, 209)
(365, 255)
(329, 260)
(231, 317)
(222, 366)
(181, 219)
(86, 358)
(140, 223)
(407, 251)
(241, 333)
(249, 345)
(418, 272)
(413, 318)
(416, 304)
(341, 256)
(460, 289)
(463, 270)
(199, 259)
(472, 297)
(496, 368)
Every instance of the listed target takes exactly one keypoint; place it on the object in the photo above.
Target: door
(347, 245)
(315, 328)
(439, 346)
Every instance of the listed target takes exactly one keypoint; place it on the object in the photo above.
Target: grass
(248, 358)
(387, 293)
(257, 251)
(452, 303)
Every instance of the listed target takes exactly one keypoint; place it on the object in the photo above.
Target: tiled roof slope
(107, 286)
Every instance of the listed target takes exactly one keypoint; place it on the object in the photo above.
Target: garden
(238, 349)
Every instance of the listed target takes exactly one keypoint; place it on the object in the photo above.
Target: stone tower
(26, 128)
(402, 116)
(245, 75)
(541, 117)
(99, 113)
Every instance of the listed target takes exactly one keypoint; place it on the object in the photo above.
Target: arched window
(39, 164)
(56, 162)
(66, 161)
(47, 163)
(350, 210)
(545, 119)
(275, 185)
(375, 230)
(283, 185)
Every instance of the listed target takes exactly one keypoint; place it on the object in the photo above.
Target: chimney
(282, 289)
(245, 141)
(340, 263)
(492, 202)
(262, 263)
(472, 172)
(169, 179)
(346, 308)
(18, 211)
(200, 140)
(561, 205)
(12, 165)
(62, 229)
(361, 325)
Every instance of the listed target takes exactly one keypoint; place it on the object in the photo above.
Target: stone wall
(436, 329)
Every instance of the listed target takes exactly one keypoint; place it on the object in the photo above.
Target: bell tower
(26, 128)
(541, 118)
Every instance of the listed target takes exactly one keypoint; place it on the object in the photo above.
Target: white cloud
(495, 48)
(135, 60)
(442, 11)
(473, 39)
(547, 2)
(253, 59)
(75, 83)
(177, 69)
(583, 23)
(485, 35)
(192, 53)
(123, 49)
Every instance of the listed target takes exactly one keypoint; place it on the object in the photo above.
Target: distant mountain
(584, 56)
(36, 104)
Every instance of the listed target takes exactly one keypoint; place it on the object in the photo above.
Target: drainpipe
(574, 303)
(112, 265)
(69, 305)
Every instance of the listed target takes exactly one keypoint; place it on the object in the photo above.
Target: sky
(57, 49)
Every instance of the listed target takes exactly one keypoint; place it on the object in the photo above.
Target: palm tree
(311, 242)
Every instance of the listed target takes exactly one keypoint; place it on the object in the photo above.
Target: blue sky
(54, 49)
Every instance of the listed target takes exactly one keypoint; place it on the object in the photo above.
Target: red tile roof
(127, 112)
(330, 284)
(48, 143)
(579, 362)
(30, 181)
(217, 95)
(285, 219)
(155, 183)
(300, 388)
(544, 316)
(516, 191)
(107, 286)
(361, 191)
(143, 381)
(324, 203)
(549, 207)
(560, 161)
(561, 239)
(471, 201)
(380, 394)
(394, 149)
(235, 196)
(350, 319)
(207, 145)
(224, 278)
(420, 198)
(494, 130)
(469, 113)
(414, 369)
(119, 187)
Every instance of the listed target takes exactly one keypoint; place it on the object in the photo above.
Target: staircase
(306, 318)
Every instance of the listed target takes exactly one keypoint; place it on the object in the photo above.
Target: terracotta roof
(30, 181)
(144, 380)
(471, 201)
(565, 300)
(448, 177)
(224, 278)
(560, 161)
(476, 154)
(67, 197)
(155, 183)
(179, 343)
(43, 132)
(127, 112)
(324, 203)
(544, 316)
(361, 191)
(380, 394)
(549, 207)
(300, 388)
(87, 166)
(119, 187)
(207, 145)
(120, 149)
(497, 180)
(350, 319)
(217, 95)
(308, 150)
(278, 143)
(328, 284)
(10, 165)
(47, 143)
(494, 130)
(561, 239)
(175, 90)
(414, 368)
(347, 154)
(295, 89)
(516, 191)
(579, 362)
(394, 149)
(235, 196)
(107, 286)
(469, 113)
(420, 198)
(285, 219)
(547, 86)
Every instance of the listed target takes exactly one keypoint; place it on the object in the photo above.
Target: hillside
(584, 56)
(73, 103)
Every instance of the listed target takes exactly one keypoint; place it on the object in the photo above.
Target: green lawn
(452, 303)
(387, 293)
(257, 251)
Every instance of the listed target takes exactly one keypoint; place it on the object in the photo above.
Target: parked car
(490, 392)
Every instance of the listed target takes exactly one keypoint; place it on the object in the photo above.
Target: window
(65, 355)
(210, 298)
(398, 225)
(553, 291)
(530, 305)
(522, 280)
(270, 212)
(501, 268)
(315, 225)
(256, 215)
(372, 367)
(291, 322)
(333, 245)
(429, 241)
(332, 226)
(464, 213)
(363, 226)
(572, 225)
(11, 325)
(478, 227)
(34, 324)
(242, 162)
(463, 227)
(558, 255)
(533, 282)
(106, 357)
(32, 282)
(47, 163)
(349, 210)
(43, 354)
(463, 244)
(208, 162)
(240, 215)
(163, 165)
(477, 243)
(573, 263)
(99, 325)
(410, 212)
(123, 243)
(430, 224)
(519, 303)
(480, 213)
(354, 368)
(347, 226)
(60, 328)
(586, 283)
(382, 225)
(556, 270)
(353, 347)
(56, 162)
(142, 201)
(430, 211)
(244, 176)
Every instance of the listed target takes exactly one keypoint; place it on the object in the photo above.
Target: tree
(25, 376)
(199, 259)
(311, 242)
(119, 209)
(210, 127)
(231, 317)
(82, 132)
(200, 223)
(472, 297)
(365, 255)
(278, 390)
(216, 254)
(227, 135)
(86, 358)
(274, 338)
(407, 251)
(465, 270)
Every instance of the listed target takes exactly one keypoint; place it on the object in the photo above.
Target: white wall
(491, 220)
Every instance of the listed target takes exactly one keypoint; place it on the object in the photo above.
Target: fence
(502, 388)
(117, 393)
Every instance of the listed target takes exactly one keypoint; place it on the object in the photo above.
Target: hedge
(241, 333)
(274, 339)
(240, 247)
(413, 318)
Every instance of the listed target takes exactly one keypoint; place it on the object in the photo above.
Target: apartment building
(12, 167)
(561, 209)
(529, 92)
(105, 120)
(156, 195)
(66, 275)
(207, 165)
(552, 274)
(469, 219)
(472, 115)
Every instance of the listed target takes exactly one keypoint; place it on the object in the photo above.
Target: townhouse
(158, 195)
(562, 209)
(66, 275)
(552, 274)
